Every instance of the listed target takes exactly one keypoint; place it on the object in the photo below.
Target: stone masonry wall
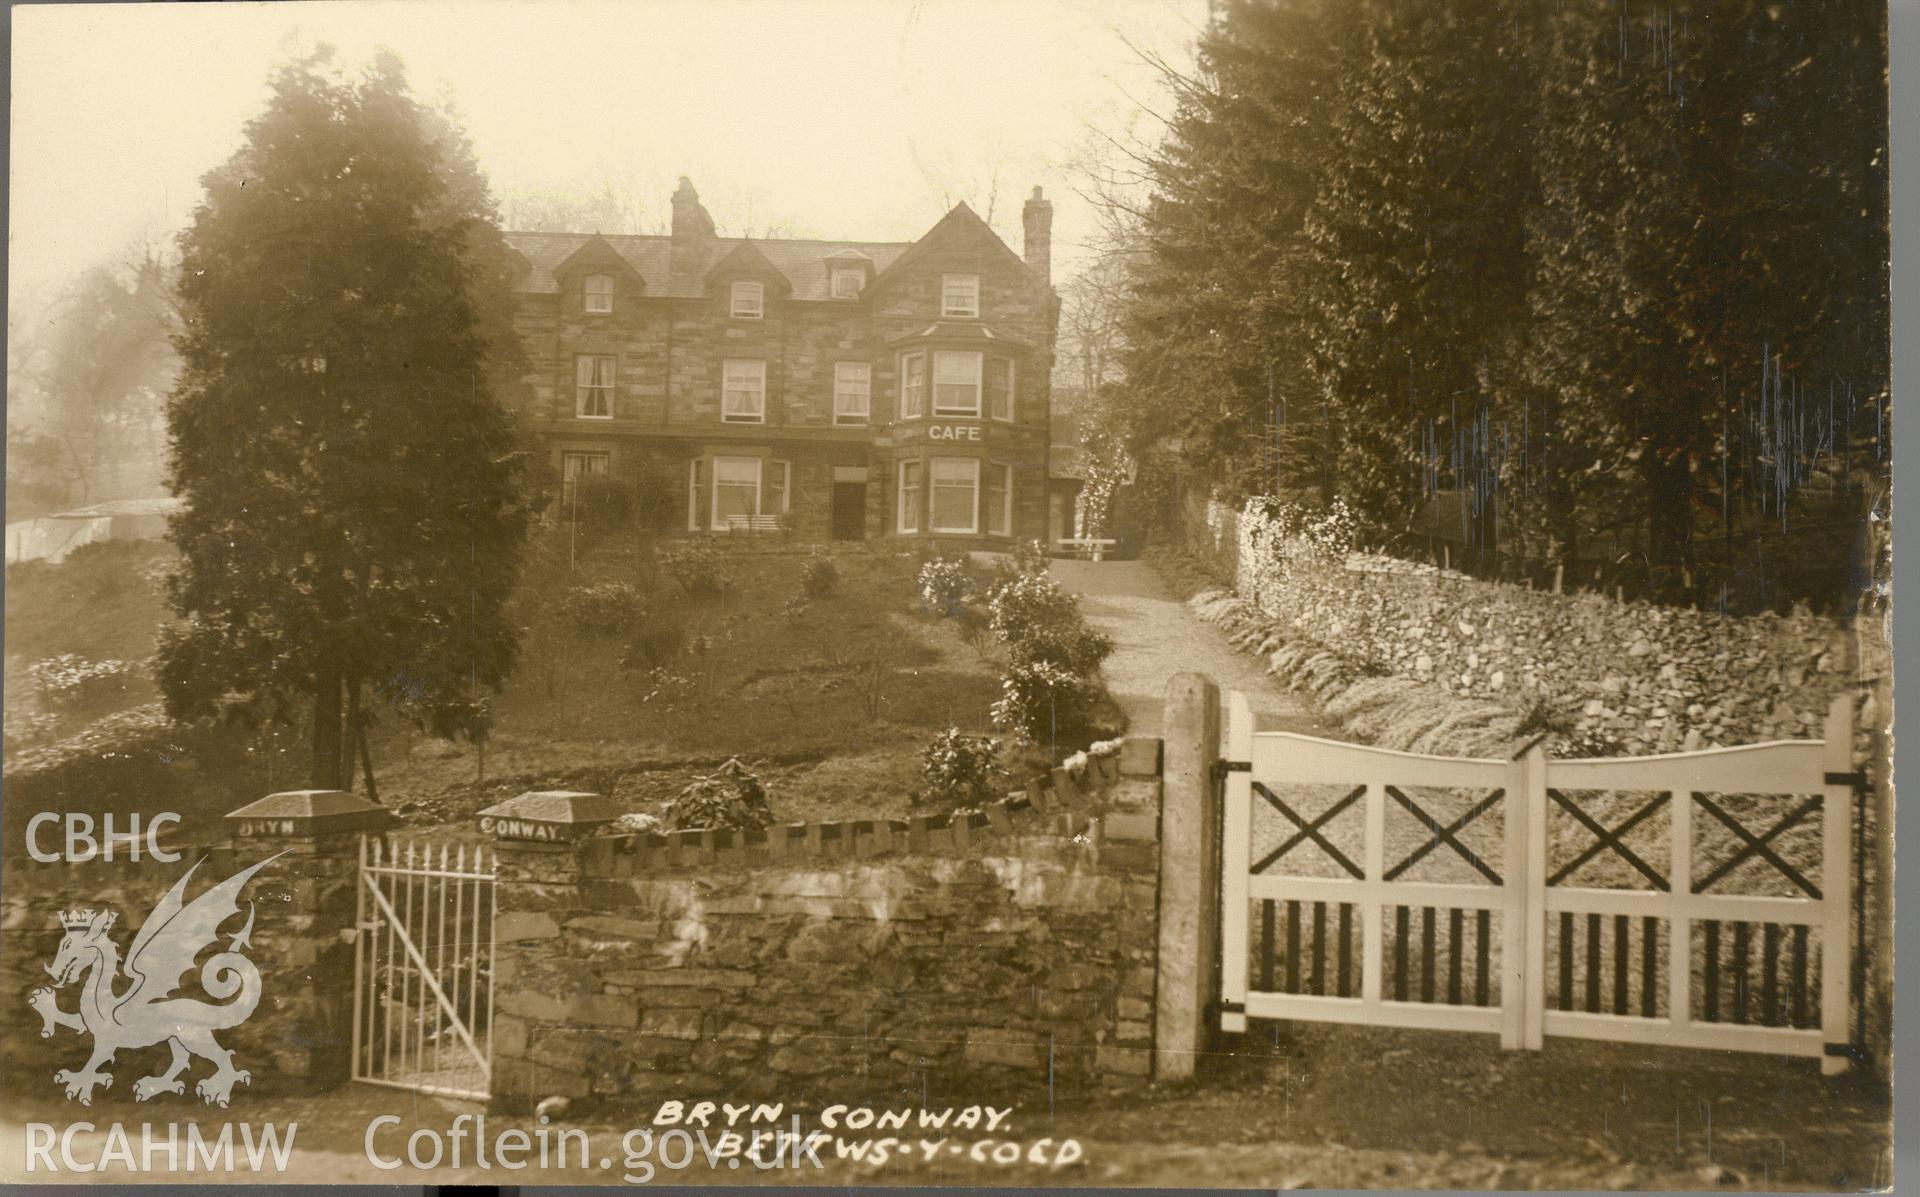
(1625, 677)
(1009, 949)
(297, 1036)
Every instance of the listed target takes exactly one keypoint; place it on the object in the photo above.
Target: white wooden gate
(423, 968)
(1501, 937)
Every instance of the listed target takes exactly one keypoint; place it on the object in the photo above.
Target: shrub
(134, 760)
(820, 578)
(1029, 557)
(26, 730)
(605, 608)
(656, 643)
(729, 797)
(599, 501)
(1039, 622)
(974, 631)
(944, 585)
(666, 687)
(697, 567)
(69, 681)
(1038, 698)
(960, 771)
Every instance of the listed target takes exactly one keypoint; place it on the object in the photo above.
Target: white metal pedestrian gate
(1533, 897)
(423, 968)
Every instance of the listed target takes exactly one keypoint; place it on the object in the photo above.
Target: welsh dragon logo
(145, 1012)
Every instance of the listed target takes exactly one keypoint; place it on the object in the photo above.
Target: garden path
(1155, 636)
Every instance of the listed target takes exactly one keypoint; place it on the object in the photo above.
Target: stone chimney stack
(692, 230)
(1036, 219)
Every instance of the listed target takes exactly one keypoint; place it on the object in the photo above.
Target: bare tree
(92, 374)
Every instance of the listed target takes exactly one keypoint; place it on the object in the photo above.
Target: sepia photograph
(1023, 594)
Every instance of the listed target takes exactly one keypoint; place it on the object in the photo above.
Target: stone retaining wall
(297, 1036)
(1624, 678)
(1028, 947)
(1010, 949)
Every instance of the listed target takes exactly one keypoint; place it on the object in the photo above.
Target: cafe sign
(954, 432)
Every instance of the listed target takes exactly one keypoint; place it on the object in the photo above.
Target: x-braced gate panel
(1693, 899)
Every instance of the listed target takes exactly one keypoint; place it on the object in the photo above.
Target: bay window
(997, 494)
(909, 516)
(913, 385)
(1000, 388)
(956, 383)
(736, 489)
(593, 376)
(955, 489)
(743, 392)
(852, 392)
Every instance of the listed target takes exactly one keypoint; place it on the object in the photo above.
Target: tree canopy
(1612, 278)
(340, 428)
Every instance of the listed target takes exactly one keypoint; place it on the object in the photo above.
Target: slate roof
(963, 330)
(803, 263)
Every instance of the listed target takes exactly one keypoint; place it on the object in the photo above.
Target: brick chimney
(1036, 220)
(692, 230)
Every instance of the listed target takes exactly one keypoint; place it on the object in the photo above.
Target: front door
(849, 510)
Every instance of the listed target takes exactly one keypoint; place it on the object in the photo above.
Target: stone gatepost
(1189, 877)
(304, 928)
(539, 839)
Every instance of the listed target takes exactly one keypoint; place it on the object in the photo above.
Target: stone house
(837, 389)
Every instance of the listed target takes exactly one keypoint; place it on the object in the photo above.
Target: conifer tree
(339, 430)
(1418, 271)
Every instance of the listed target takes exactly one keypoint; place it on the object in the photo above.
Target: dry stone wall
(1619, 677)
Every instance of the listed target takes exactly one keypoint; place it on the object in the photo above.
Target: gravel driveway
(1155, 637)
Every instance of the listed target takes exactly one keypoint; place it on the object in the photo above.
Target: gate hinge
(1857, 779)
(1222, 768)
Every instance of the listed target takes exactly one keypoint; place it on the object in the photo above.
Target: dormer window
(960, 295)
(599, 293)
(847, 281)
(749, 301)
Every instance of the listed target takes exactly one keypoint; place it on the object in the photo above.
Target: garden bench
(1092, 547)
(753, 523)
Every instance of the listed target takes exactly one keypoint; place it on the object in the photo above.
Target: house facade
(837, 390)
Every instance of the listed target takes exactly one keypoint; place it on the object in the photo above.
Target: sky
(853, 119)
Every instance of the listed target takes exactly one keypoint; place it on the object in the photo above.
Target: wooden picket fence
(1506, 943)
